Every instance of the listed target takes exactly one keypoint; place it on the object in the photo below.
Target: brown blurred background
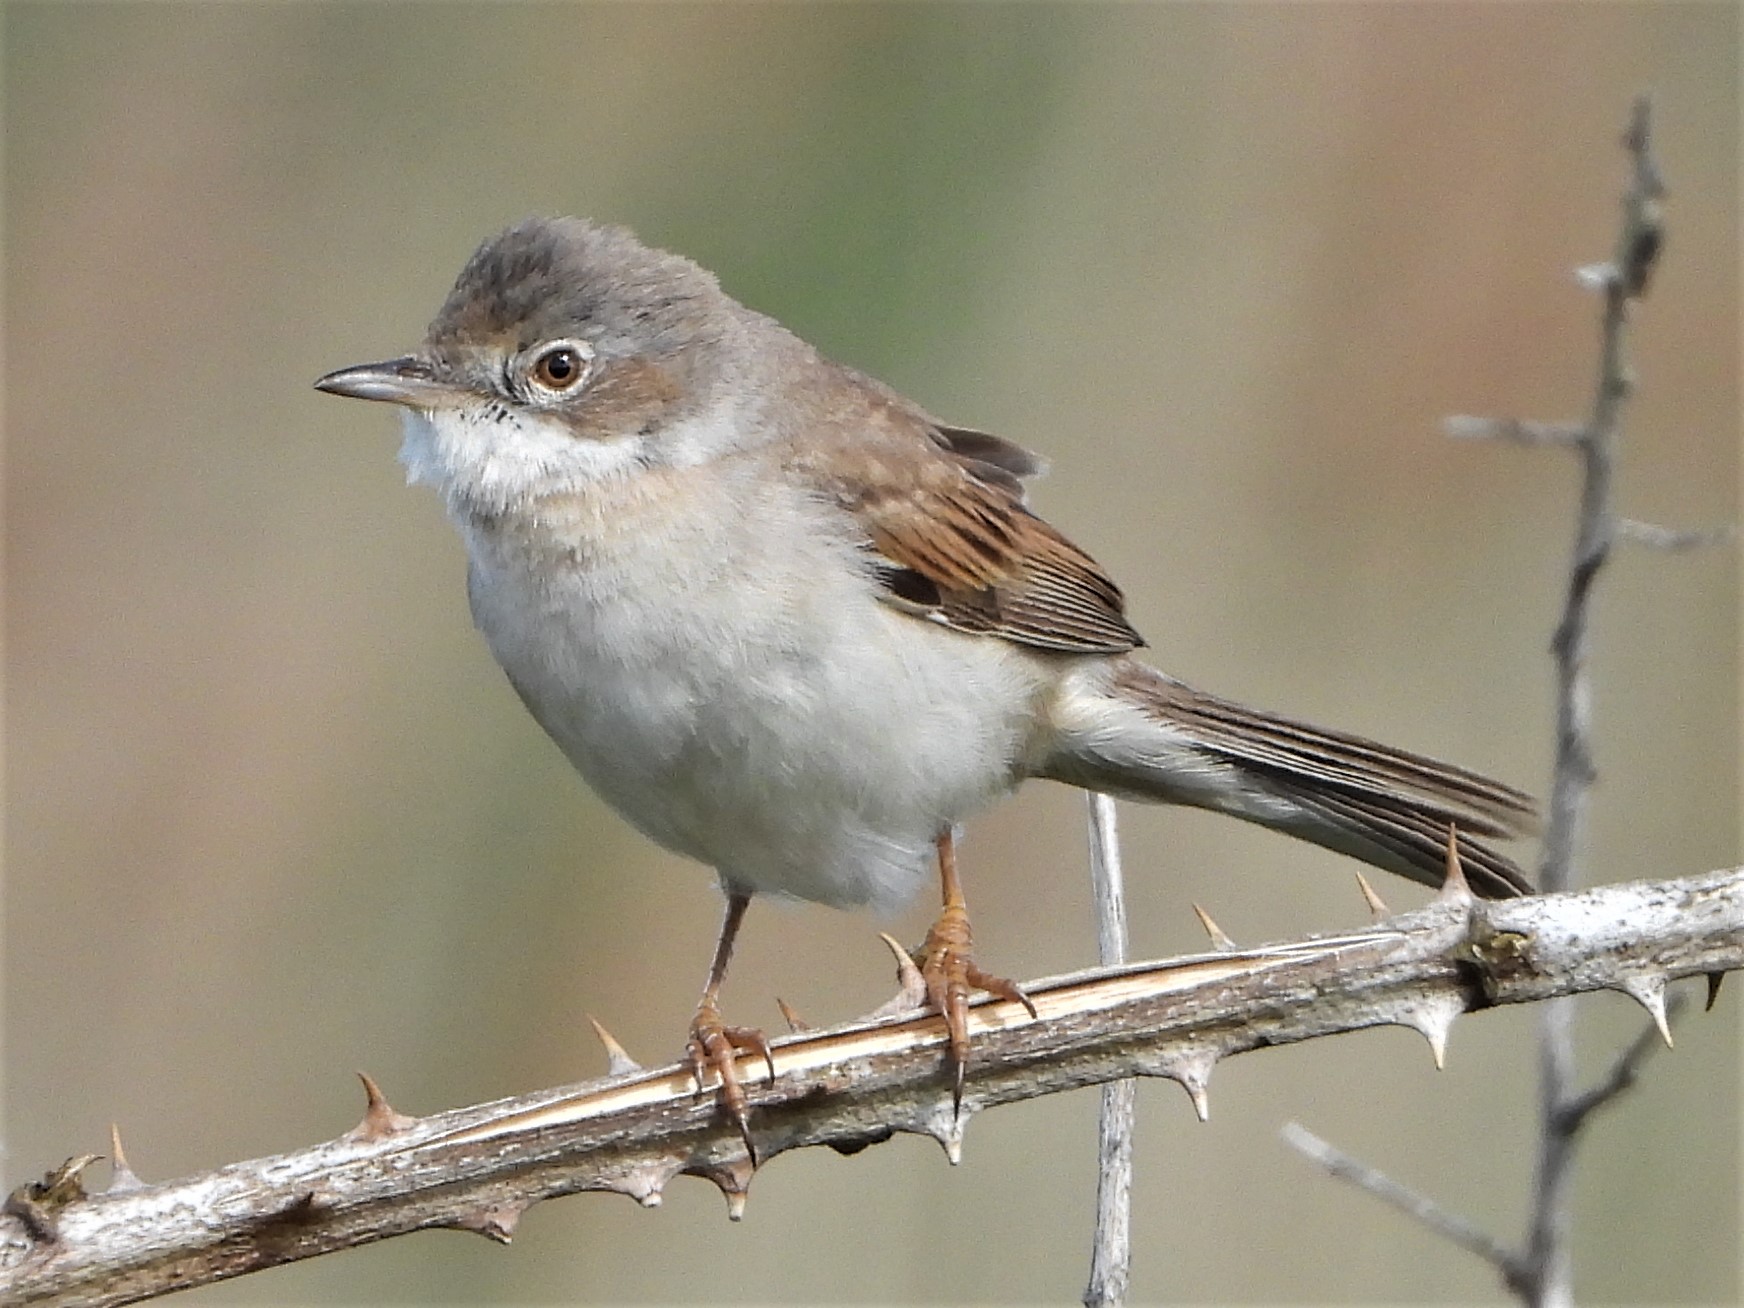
(273, 814)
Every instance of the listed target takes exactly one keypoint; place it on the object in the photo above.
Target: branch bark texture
(479, 1168)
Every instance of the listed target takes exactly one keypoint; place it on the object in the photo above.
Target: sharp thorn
(1219, 941)
(644, 1183)
(734, 1182)
(944, 1123)
(496, 1223)
(1378, 909)
(379, 1118)
(1649, 992)
(1455, 889)
(794, 1021)
(122, 1178)
(950, 1136)
(1714, 980)
(1433, 1020)
(1192, 1072)
(911, 985)
(618, 1062)
(1201, 1100)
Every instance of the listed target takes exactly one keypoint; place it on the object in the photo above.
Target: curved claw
(950, 974)
(998, 985)
(713, 1044)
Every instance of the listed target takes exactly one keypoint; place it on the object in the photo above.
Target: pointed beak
(408, 381)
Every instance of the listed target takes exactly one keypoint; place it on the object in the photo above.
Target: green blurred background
(274, 815)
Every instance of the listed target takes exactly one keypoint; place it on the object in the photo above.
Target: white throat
(491, 459)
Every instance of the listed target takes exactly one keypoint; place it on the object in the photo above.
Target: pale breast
(724, 676)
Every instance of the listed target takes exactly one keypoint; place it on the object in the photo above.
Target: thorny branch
(1541, 1273)
(479, 1168)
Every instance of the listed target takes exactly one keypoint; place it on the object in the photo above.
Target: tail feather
(1420, 841)
(1484, 805)
(1137, 732)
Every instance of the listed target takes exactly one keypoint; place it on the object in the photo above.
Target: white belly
(755, 707)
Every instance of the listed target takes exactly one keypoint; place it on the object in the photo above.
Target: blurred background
(273, 814)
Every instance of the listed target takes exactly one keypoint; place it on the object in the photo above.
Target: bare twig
(1541, 1274)
(1519, 431)
(1111, 1256)
(1547, 1279)
(1460, 1230)
(1622, 1074)
(478, 1168)
(1449, 1225)
(1655, 537)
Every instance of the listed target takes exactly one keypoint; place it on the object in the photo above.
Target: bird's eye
(562, 366)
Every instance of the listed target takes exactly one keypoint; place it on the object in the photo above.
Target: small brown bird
(791, 625)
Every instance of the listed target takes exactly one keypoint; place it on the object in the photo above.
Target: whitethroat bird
(790, 624)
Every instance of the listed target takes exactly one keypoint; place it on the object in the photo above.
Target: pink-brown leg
(714, 1044)
(948, 967)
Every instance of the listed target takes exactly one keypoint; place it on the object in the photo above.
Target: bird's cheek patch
(624, 395)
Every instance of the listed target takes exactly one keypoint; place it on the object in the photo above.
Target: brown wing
(970, 556)
(993, 458)
(943, 509)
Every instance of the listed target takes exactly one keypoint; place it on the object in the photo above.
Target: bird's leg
(948, 967)
(713, 1043)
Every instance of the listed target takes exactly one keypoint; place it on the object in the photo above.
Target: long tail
(1130, 730)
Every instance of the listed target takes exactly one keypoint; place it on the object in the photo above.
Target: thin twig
(1111, 1257)
(1425, 1210)
(1519, 431)
(1671, 539)
(1542, 1274)
(1623, 1072)
(1453, 1226)
(1548, 1275)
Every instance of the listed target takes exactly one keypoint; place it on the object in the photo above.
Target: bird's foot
(715, 1045)
(949, 974)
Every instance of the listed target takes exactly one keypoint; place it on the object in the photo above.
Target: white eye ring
(559, 367)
